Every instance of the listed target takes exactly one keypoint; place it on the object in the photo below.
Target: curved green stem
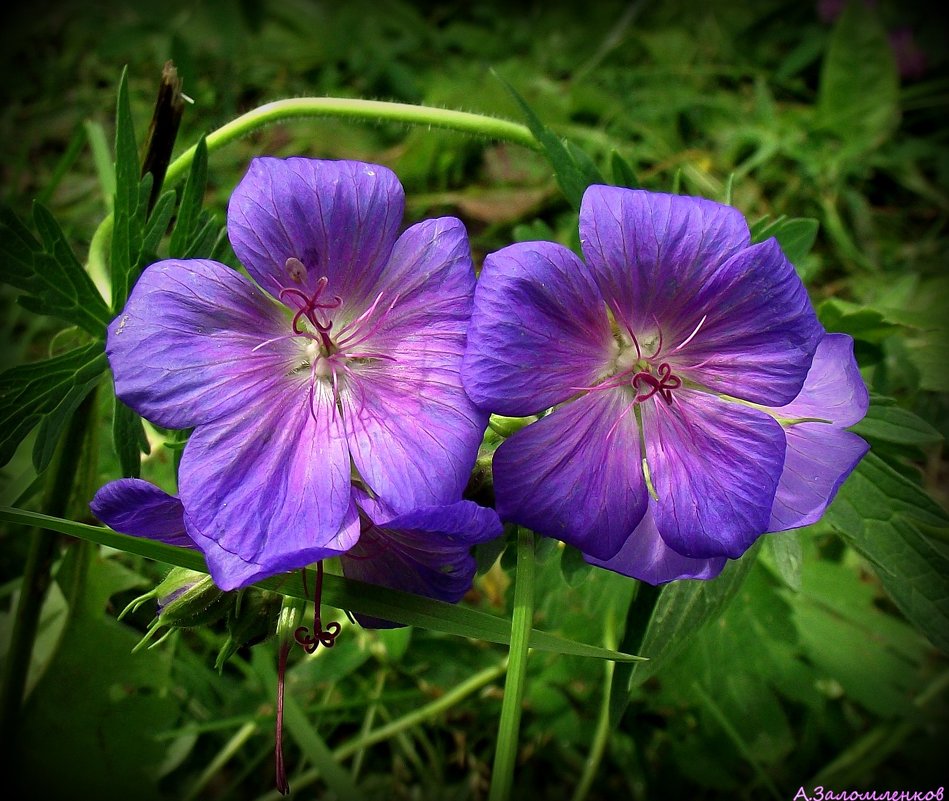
(372, 110)
(502, 776)
(308, 107)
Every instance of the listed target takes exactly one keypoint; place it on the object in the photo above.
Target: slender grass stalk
(602, 733)
(231, 747)
(505, 755)
(37, 574)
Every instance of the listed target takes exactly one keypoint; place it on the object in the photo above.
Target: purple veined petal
(338, 218)
(426, 551)
(646, 557)
(819, 459)
(230, 571)
(539, 330)
(269, 490)
(137, 507)
(833, 389)
(647, 251)
(413, 433)
(195, 341)
(715, 467)
(576, 474)
(759, 333)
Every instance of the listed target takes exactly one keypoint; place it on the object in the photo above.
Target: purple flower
(425, 551)
(343, 358)
(679, 360)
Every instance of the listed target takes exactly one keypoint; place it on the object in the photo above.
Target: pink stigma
(663, 384)
(310, 307)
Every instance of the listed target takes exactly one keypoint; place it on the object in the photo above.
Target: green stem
(505, 756)
(602, 733)
(37, 574)
(309, 107)
(371, 110)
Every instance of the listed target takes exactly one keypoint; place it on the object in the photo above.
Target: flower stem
(37, 574)
(309, 107)
(601, 735)
(372, 110)
(502, 776)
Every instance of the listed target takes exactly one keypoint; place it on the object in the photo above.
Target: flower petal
(715, 467)
(426, 551)
(833, 389)
(339, 218)
(760, 331)
(646, 557)
(269, 490)
(819, 459)
(538, 332)
(647, 249)
(137, 507)
(187, 348)
(576, 475)
(413, 433)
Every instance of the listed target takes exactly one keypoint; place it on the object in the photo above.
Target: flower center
(662, 383)
(310, 306)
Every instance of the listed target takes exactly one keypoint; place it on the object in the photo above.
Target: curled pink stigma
(663, 384)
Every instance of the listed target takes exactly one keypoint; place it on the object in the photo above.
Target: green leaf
(49, 272)
(890, 423)
(858, 95)
(861, 322)
(683, 608)
(128, 436)
(623, 174)
(192, 199)
(784, 555)
(93, 694)
(53, 388)
(355, 596)
(570, 176)
(880, 514)
(157, 225)
(127, 228)
(795, 235)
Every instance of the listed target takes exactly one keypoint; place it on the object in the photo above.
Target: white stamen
(688, 339)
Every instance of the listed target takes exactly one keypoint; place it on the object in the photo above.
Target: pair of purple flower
(340, 398)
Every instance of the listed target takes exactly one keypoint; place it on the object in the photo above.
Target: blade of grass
(505, 757)
(341, 593)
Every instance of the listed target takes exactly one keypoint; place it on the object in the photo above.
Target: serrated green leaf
(858, 95)
(569, 175)
(192, 199)
(890, 423)
(49, 272)
(355, 596)
(795, 235)
(30, 392)
(683, 608)
(879, 513)
(861, 322)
